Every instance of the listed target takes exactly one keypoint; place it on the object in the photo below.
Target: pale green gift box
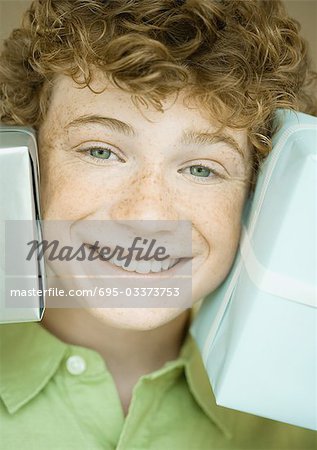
(19, 201)
(257, 332)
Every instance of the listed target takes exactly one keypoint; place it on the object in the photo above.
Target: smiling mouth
(140, 267)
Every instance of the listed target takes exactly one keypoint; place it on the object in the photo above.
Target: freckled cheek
(65, 192)
(69, 191)
(216, 220)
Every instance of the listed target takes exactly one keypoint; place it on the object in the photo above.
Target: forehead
(101, 93)
(69, 101)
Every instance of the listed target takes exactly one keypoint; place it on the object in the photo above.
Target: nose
(148, 202)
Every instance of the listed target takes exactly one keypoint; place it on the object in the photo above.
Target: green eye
(100, 153)
(200, 171)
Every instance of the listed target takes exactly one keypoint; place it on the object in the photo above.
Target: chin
(142, 319)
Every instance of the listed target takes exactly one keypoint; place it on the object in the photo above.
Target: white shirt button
(76, 365)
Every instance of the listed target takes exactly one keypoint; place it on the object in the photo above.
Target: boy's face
(149, 172)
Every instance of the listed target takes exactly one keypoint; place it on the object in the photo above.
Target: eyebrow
(110, 122)
(189, 136)
(204, 137)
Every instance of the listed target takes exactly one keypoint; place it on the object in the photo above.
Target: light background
(305, 11)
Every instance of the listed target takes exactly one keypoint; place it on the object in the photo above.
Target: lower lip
(179, 267)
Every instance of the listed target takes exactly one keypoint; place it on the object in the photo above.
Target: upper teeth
(145, 266)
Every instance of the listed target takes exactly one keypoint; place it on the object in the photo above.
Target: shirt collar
(24, 354)
(200, 386)
(25, 345)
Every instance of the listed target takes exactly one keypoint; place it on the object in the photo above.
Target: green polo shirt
(56, 396)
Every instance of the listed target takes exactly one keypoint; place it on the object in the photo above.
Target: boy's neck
(128, 354)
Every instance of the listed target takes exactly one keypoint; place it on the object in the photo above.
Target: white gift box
(257, 332)
(19, 210)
